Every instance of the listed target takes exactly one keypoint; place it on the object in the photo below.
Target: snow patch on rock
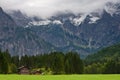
(93, 20)
(57, 22)
(44, 23)
(78, 20)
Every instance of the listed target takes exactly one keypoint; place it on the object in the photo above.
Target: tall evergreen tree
(3, 64)
(73, 63)
(57, 62)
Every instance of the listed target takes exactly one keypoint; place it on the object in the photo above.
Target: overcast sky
(47, 8)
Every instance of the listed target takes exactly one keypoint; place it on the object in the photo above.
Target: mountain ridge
(65, 33)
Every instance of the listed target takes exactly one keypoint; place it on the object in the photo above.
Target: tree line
(57, 62)
(105, 61)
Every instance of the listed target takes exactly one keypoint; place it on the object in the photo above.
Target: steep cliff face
(84, 34)
(18, 40)
(7, 28)
(5, 19)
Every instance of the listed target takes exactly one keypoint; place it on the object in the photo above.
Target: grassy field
(59, 77)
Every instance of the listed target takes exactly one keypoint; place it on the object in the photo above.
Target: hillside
(106, 60)
(104, 55)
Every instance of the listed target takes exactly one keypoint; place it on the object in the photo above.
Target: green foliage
(108, 59)
(56, 60)
(25, 60)
(4, 65)
(112, 67)
(73, 63)
(94, 68)
(15, 60)
(13, 68)
(104, 55)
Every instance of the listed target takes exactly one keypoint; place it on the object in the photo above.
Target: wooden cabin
(23, 70)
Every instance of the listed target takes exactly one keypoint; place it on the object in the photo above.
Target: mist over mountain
(84, 32)
(48, 8)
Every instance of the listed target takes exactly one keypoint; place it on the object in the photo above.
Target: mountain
(19, 18)
(5, 19)
(83, 33)
(18, 40)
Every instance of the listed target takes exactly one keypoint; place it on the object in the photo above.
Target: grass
(60, 77)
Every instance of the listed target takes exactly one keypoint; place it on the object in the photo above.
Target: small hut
(23, 70)
(36, 72)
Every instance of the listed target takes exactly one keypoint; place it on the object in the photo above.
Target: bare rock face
(18, 40)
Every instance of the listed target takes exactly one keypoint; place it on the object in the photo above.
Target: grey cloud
(47, 8)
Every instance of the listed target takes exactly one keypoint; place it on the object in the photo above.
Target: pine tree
(73, 63)
(57, 62)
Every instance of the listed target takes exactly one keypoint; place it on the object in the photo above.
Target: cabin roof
(22, 67)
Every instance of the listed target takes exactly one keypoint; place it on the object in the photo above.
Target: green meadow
(60, 77)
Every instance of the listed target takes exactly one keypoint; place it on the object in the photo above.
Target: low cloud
(47, 8)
